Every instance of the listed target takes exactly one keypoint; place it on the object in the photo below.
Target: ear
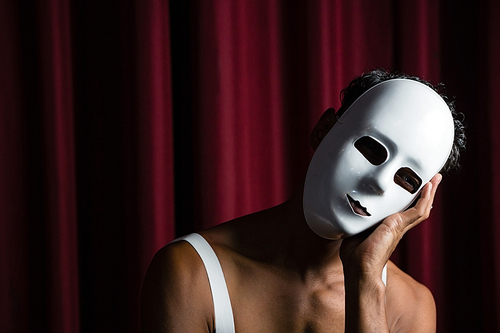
(325, 123)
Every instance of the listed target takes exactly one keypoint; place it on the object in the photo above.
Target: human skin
(282, 277)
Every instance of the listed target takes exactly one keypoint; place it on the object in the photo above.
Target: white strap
(223, 312)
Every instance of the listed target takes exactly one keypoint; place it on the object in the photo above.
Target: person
(316, 263)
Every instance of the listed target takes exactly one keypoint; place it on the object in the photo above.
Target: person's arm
(176, 295)
(364, 256)
(364, 303)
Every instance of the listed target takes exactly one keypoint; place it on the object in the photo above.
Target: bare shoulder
(410, 304)
(176, 295)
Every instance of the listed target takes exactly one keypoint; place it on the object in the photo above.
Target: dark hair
(367, 80)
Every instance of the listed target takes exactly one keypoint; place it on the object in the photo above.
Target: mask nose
(376, 189)
(378, 181)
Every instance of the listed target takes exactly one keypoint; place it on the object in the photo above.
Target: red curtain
(126, 124)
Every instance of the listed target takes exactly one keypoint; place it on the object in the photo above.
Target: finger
(422, 209)
(435, 183)
(428, 194)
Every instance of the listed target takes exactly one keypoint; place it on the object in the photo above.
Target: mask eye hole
(408, 179)
(371, 149)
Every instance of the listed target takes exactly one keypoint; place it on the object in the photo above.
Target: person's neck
(302, 249)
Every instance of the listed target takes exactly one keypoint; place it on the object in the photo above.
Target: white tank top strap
(223, 312)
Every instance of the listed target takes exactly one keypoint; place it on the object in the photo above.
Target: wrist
(363, 273)
(365, 283)
(365, 295)
(365, 304)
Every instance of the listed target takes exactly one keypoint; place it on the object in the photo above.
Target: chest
(266, 301)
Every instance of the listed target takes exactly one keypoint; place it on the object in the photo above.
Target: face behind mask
(375, 160)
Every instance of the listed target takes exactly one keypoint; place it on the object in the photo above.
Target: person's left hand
(368, 252)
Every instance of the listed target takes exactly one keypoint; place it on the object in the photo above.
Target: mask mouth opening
(356, 207)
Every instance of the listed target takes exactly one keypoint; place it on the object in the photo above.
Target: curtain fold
(126, 124)
(155, 127)
(13, 243)
(59, 165)
(40, 204)
(239, 121)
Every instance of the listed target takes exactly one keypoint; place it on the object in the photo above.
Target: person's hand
(367, 253)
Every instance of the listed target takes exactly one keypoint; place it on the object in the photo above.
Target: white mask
(398, 130)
